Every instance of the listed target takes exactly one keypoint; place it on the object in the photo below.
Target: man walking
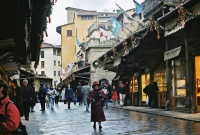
(27, 98)
(122, 93)
(79, 94)
(85, 91)
(42, 95)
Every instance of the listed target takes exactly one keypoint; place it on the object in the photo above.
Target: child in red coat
(114, 95)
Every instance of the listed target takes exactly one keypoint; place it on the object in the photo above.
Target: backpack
(21, 130)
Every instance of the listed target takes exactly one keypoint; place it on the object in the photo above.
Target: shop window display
(160, 78)
(178, 82)
(197, 75)
(145, 82)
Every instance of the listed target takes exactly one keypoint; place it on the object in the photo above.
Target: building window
(54, 63)
(42, 64)
(42, 73)
(54, 73)
(87, 17)
(42, 54)
(69, 33)
(58, 73)
(58, 63)
(54, 51)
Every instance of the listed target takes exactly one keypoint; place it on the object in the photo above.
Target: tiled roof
(83, 12)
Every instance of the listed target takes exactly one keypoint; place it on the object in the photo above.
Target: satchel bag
(21, 130)
(102, 103)
(65, 101)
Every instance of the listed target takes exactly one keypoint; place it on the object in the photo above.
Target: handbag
(65, 101)
(147, 100)
(102, 103)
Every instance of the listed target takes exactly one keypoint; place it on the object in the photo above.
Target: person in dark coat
(42, 95)
(10, 90)
(151, 90)
(97, 97)
(34, 99)
(69, 94)
(17, 97)
(27, 97)
(79, 94)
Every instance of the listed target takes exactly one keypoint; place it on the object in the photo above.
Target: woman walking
(114, 95)
(17, 97)
(52, 94)
(69, 95)
(97, 97)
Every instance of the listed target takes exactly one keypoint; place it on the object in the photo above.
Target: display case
(180, 87)
(160, 78)
(198, 91)
(133, 85)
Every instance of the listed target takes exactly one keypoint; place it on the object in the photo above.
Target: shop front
(197, 82)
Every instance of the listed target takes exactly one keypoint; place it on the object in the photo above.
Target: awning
(172, 53)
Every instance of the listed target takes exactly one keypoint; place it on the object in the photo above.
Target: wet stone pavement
(76, 121)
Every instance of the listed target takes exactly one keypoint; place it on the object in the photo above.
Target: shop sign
(172, 53)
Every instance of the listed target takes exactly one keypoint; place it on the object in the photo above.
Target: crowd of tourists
(24, 98)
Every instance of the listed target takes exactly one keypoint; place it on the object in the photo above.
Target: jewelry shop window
(178, 78)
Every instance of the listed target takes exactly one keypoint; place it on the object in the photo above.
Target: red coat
(12, 117)
(114, 95)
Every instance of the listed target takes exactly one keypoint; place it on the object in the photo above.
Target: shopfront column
(189, 84)
(169, 79)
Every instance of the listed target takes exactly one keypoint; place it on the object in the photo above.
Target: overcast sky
(59, 14)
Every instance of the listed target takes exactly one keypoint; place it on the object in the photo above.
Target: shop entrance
(197, 75)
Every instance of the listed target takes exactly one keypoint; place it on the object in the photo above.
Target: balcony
(95, 42)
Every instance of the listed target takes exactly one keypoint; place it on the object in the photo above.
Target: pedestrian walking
(105, 90)
(97, 97)
(47, 98)
(69, 94)
(9, 116)
(17, 97)
(57, 95)
(114, 95)
(10, 90)
(85, 90)
(52, 95)
(42, 96)
(27, 97)
(34, 98)
(122, 92)
(79, 94)
(63, 94)
(152, 93)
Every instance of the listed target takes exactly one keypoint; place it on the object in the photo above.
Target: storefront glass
(133, 87)
(160, 78)
(145, 82)
(197, 75)
(178, 82)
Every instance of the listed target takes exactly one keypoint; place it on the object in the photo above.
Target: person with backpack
(9, 114)
(42, 95)
(85, 90)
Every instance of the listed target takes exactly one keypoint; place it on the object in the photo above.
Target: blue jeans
(52, 100)
(87, 105)
(106, 102)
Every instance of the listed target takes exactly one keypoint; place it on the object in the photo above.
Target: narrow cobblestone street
(76, 121)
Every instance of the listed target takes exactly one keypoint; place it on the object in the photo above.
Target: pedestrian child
(114, 95)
